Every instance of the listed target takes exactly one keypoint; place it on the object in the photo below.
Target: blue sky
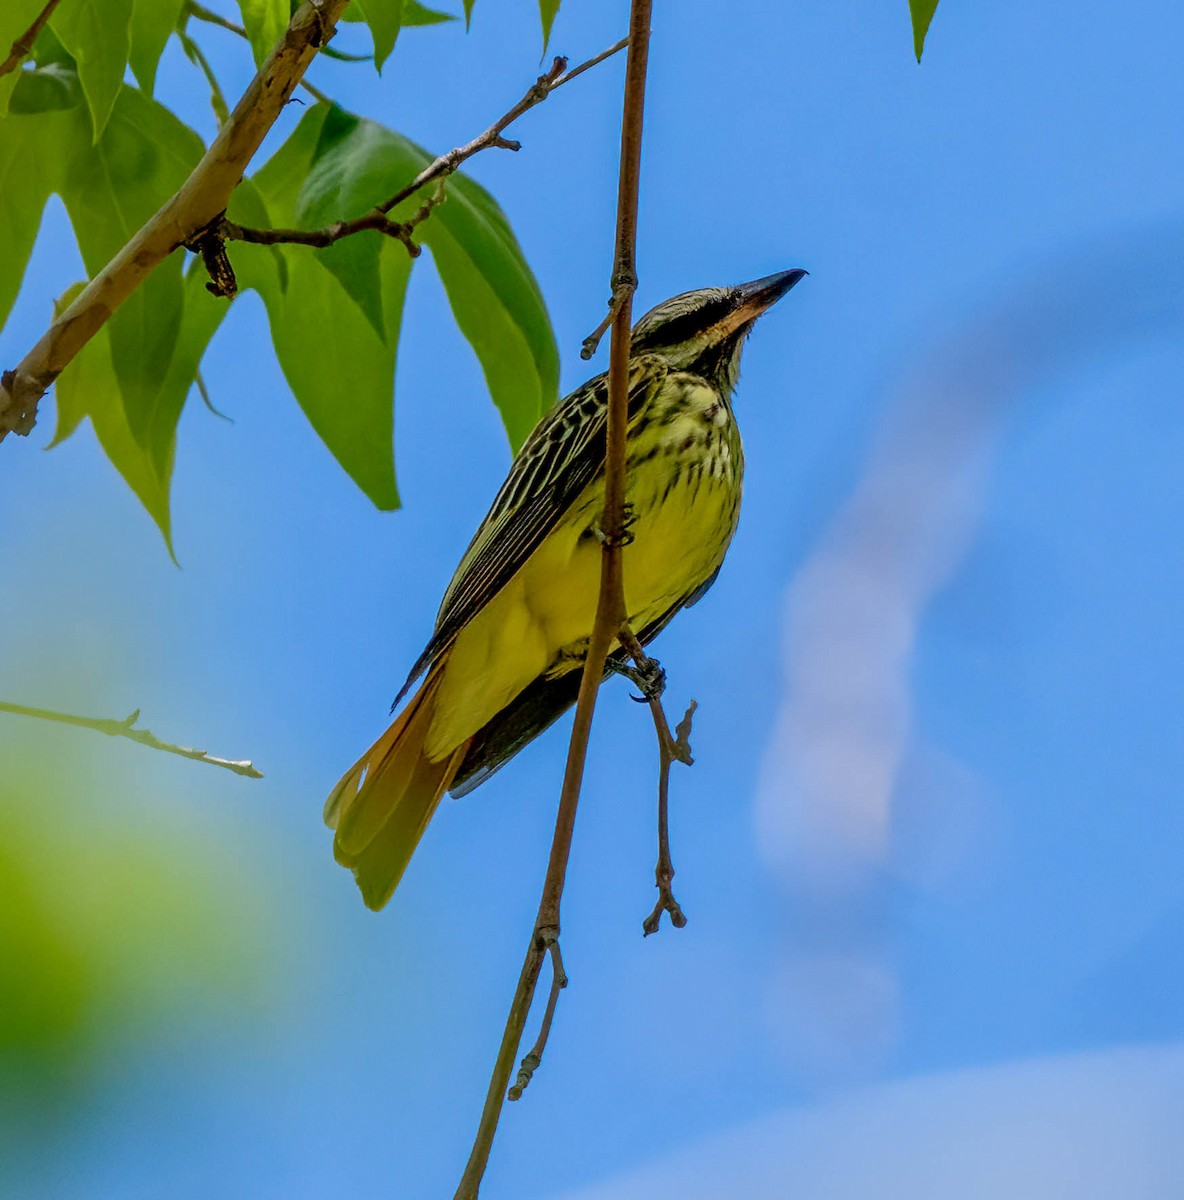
(935, 827)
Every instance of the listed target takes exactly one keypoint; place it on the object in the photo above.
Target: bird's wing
(557, 462)
(540, 705)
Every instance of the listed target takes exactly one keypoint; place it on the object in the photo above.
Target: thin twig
(610, 607)
(532, 1061)
(672, 748)
(202, 197)
(439, 169)
(24, 44)
(196, 55)
(127, 729)
(204, 393)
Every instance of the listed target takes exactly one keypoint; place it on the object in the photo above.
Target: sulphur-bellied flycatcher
(514, 624)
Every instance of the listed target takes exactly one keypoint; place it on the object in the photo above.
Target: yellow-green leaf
(547, 11)
(153, 22)
(97, 33)
(15, 17)
(265, 22)
(110, 191)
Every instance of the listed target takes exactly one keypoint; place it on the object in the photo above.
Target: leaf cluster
(79, 120)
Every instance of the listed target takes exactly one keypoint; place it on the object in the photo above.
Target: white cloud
(1098, 1126)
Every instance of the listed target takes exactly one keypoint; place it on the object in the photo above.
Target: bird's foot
(628, 520)
(648, 674)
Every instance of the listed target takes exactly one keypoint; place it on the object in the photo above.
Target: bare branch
(127, 729)
(438, 169)
(672, 748)
(610, 608)
(202, 197)
(24, 44)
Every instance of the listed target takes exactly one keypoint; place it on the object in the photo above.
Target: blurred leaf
(45, 89)
(384, 18)
(97, 34)
(547, 11)
(494, 296)
(115, 916)
(15, 17)
(153, 22)
(468, 4)
(145, 155)
(265, 22)
(922, 13)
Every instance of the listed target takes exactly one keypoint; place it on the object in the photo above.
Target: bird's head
(704, 331)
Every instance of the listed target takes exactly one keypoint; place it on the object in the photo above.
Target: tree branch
(24, 44)
(202, 197)
(610, 608)
(438, 169)
(127, 728)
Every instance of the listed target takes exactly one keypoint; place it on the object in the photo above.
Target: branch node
(210, 242)
(624, 284)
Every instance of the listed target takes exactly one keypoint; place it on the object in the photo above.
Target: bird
(505, 659)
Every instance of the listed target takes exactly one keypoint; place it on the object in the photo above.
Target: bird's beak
(752, 299)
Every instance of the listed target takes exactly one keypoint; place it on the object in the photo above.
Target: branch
(127, 728)
(672, 748)
(202, 197)
(438, 169)
(24, 43)
(610, 607)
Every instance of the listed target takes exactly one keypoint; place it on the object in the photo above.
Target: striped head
(703, 332)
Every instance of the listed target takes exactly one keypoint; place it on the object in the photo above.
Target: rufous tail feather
(384, 802)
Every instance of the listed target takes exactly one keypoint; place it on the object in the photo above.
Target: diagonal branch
(127, 728)
(24, 44)
(439, 169)
(610, 611)
(202, 197)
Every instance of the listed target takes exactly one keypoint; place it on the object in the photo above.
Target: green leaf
(97, 34)
(328, 348)
(90, 387)
(494, 296)
(145, 155)
(153, 22)
(339, 369)
(415, 13)
(45, 89)
(265, 22)
(922, 13)
(15, 17)
(547, 11)
(29, 176)
(340, 186)
(384, 18)
(469, 12)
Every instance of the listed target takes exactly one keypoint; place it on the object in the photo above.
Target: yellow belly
(539, 620)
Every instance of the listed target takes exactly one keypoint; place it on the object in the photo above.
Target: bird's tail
(384, 802)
